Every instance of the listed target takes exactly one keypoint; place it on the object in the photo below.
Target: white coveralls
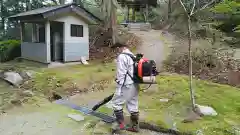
(126, 93)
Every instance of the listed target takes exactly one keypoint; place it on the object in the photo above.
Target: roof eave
(26, 17)
(93, 20)
(88, 16)
(53, 13)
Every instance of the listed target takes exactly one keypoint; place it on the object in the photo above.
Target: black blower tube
(101, 103)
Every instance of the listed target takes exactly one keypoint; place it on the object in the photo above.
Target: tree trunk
(28, 5)
(113, 25)
(3, 19)
(190, 62)
(125, 13)
(133, 14)
(169, 9)
(62, 1)
(128, 14)
(147, 13)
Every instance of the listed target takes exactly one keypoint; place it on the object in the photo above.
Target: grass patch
(224, 99)
(63, 80)
(70, 78)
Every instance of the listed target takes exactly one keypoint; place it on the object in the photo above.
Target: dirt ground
(44, 118)
(153, 47)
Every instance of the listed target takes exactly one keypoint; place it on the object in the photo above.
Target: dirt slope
(153, 47)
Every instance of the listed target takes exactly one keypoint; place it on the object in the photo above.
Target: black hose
(159, 129)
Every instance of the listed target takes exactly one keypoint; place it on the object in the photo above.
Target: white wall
(73, 19)
(34, 51)
(74, 47)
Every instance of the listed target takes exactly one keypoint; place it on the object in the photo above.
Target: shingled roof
(46, 12)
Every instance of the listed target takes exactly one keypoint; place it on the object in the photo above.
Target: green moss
(71, 77)
(224, 99)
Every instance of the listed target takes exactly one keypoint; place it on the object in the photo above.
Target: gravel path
(35, 121)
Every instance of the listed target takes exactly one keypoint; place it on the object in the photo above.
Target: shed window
(76, 30)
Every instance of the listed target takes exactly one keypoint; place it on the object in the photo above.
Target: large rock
(13, 78)
(17, 102)
(205, 110)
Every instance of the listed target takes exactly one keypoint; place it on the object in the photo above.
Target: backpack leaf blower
(145, 72)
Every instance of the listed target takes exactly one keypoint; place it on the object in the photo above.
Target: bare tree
(189, 12)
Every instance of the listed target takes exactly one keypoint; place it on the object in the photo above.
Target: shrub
(9, 50)
(209, 62)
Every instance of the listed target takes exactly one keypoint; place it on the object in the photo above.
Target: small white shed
(58, 33)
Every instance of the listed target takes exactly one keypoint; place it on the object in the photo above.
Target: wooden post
(37, 32)
(34, 32)
(48, 42)
(133, 14)
(22, 28)
(146, 13)
(127, 14)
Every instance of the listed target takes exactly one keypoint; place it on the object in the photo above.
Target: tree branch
(180, 1)
(194, 4)
(204, 7)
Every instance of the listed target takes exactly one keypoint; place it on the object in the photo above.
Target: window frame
(76, 30)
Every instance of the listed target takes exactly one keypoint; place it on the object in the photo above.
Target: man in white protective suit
(126, 90)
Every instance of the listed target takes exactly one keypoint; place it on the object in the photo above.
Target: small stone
(27, 93)
(16, 102)
(164, 100)
(76, 117)
(84, 61)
